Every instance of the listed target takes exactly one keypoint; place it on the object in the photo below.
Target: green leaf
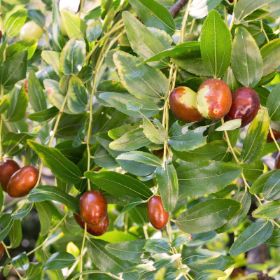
(61, 166)
(208, 215)
(254, 235)
(157, 246)
(59, 260)
(127, 251)
(22, 211)
(93, 30)
(270, 210)
(44, 216)
(154, 131)
(103, 259)
(18, 105)
(153, 14)
(271, 188)
(274, 240)
(36, 94)
(246, 60)
(73, 57)
(215, 44)
(130, 141)
(51, 193)
(14, 20)
(20, 261)
(273, 104)
(9, 74)
(183, 139)
(196, 181)
(256, 136)
(138, 163)
(15, 235)
(43, 116)
(230, 125)
(6, 223)
(119, 185)
(141, 39)
(168, 186)
(77, 96)
(271, 56)
(74, 26)
(51, 58)
(142, 81)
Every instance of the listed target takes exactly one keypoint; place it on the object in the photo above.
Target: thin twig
(177, 7)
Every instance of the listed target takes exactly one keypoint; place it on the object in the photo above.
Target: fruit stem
(81, 252)
(273, 138)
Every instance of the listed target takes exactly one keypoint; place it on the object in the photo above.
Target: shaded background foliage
(86, 99)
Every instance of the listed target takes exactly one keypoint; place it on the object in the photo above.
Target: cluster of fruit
(16, 181)
(214, 101)
(93, 213)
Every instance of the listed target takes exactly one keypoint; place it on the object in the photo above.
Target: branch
(177, 7)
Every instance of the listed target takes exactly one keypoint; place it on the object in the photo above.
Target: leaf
(208, 215)
(22, 211)
(142, 81)
(154, 131)
(59, 260)
(119, 185)
(141, 39)
(77, 97)
(103, 259)
(215, 44)
(36, 94)
(246, 60)
(9, 74)
(183, 139)
(270, 210)
(153, 14)
(130, 141)
(73, 57)
(138, 163)
(15, 235)
(44, 217)
(274, 239)
(43, 116)
(168, 186)
(271, 189)
(254, 235)
(243, 8)
(273, 104)
(52, 193)
(51, 58)
(74, 26)
(271, 56)
(157, 246)
(93, 30)
(127, 251)
(196, 181)
(14, 20)
(230, 125)
(61, 167)
(256, 136)
(18, 105)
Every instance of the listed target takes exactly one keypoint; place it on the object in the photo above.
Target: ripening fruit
(277, 162)
(245, 105)
(156, 213)
(183, 103)
(23, 181)
(93, 207)
(31, 32)
(97, 229)
(2, 251)
(276, 135)
(7, 169)
(214, 99)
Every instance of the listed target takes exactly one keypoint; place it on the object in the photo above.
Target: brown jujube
(7, 169)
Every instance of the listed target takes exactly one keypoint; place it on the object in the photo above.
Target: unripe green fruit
(31, 32)
(214, 99)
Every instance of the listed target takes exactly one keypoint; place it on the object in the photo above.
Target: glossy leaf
(6, 223)
(51, 58)
(119, 185)
(246, 60)
(273, 104)
(154, 131)
(215, 44)
(271, 190)
(271, 56)
(44, 115)
(15, 235)
(270, 210)
(254, 235)
(207, 215)
(59, 260)
(45, 218)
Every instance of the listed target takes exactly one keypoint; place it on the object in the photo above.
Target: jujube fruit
(7, 169)
(277, 162)
(183, 104)
(2, 251)
(156, 213)
(214, 99)
(276, 135)
(93, 207)
(97, 229)
(23, 181)
(245, 105)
